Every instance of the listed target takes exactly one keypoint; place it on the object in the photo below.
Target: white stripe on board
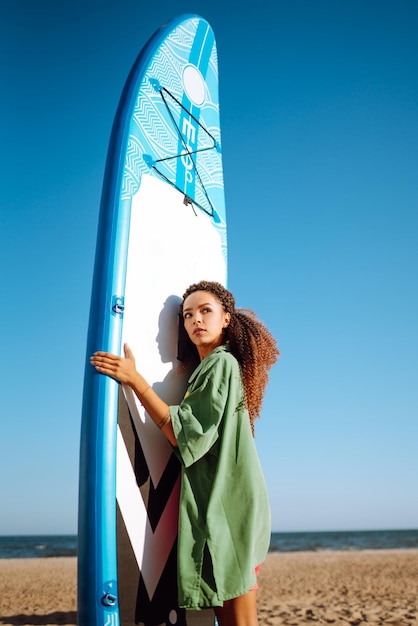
(151, 548)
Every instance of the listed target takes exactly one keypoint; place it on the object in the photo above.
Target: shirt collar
(224, 348)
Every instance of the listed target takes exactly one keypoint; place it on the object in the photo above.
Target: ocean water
(42, 546)
(344, 540)
(37, 546)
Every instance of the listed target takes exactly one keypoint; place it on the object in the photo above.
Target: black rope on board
(188, 152)
(186, 200)
(188, 112)
(178, 156)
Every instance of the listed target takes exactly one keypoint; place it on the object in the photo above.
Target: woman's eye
(186, 316)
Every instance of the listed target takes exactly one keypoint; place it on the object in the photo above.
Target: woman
(224, 516)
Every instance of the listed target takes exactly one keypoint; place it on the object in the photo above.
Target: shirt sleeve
(197, 420)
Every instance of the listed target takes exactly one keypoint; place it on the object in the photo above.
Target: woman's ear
(227, 319)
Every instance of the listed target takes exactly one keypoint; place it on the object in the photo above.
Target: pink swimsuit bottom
(257, 569)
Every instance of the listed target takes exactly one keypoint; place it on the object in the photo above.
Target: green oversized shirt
(224, 517)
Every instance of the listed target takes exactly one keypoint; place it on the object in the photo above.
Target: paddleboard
(162, 227)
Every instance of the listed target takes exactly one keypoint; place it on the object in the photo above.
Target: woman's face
(205, 320)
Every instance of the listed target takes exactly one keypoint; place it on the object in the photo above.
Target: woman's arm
(124, 370)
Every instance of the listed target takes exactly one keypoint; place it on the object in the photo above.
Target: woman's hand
(122, 369)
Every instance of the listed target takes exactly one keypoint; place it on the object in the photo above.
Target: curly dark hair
(250, 342)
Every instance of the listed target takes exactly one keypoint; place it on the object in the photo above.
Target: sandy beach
(367, 587)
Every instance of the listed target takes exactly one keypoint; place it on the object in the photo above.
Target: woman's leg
(241, 611)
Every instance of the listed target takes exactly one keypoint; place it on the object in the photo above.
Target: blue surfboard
(162, 227)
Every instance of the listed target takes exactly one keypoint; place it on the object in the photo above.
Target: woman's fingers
(114, 365)
(128, 352)
(105, 355)
(103, 358)
(105, 362)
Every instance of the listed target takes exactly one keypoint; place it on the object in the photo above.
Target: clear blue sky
(319, 113)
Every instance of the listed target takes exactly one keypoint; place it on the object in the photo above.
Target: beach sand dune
(342, 588)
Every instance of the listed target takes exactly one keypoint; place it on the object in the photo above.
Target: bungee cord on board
(187, 152)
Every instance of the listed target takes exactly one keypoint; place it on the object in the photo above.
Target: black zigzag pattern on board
(135, 606)
(164, 601)
(155, 498)
(134, 603)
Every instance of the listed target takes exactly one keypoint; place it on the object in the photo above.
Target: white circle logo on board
(194, 85)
